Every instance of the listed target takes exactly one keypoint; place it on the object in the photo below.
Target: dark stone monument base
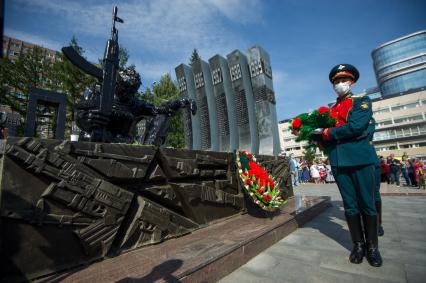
(205, 255)
(66, 204)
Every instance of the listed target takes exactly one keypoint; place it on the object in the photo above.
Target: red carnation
(259, 191)
(267, 197)
(323, 110)
(249, 155)
(247, 181)
(296, 123)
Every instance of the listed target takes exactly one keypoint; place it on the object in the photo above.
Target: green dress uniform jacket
(349, 144)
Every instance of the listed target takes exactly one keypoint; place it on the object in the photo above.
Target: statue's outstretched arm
(142, 108)
(171, 107)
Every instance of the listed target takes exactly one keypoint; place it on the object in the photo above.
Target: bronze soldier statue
(110, 111)
(127, 111)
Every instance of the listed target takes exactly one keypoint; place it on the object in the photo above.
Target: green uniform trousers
(378, 176)
(357, 185)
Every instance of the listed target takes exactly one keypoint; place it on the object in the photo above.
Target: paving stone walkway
(318, 252)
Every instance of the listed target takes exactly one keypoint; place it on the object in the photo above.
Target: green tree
(164, 91)
(147, 96)
(30, 70)
(194, 57)
(123, 56)
(67, 78)
(309, 154)
(5, 75)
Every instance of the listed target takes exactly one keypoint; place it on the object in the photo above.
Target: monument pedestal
(68, 204)
(205, 255)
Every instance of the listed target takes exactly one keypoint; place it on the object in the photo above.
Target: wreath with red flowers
(304, 124)
(260, 185)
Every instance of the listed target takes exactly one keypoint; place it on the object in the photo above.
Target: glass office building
(400, 64)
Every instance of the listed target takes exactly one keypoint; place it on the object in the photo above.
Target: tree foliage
(123, 56)
(67, 78)
(309, 154)
(162, 92)
(33, 70)
(30, 70)
(194, 57)
(148, 95)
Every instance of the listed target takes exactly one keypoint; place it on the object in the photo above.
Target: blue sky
(305, 39)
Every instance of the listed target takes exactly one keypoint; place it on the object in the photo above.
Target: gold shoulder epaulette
(359, 95)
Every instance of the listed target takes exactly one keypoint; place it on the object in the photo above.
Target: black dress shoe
(357, 253)
(380, 232)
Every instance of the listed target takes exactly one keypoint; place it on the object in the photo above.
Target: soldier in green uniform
(353, 160)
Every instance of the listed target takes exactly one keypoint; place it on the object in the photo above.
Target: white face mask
(342, 88)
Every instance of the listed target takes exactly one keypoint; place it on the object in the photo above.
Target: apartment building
(288, 141)
(401, 124)
(13, 48)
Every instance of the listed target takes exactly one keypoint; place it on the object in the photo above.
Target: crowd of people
(317, 171)
(411, 169)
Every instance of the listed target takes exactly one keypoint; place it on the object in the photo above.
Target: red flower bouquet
(296, 123)
(259, 184)
(323, 110)
(304, 124)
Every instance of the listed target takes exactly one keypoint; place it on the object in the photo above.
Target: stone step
(205, 255)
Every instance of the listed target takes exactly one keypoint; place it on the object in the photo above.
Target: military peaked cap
(343, 70)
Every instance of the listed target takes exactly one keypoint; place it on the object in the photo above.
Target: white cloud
(161, 25)
(240, 11)
(78, 16)
(152, 71)
(159, 34)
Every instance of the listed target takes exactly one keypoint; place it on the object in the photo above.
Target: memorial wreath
(305, 124)
(260, 185)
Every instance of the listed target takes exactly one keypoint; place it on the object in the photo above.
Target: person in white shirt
(315, 172)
